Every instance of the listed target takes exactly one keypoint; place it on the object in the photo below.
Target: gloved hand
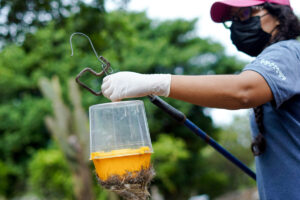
(130, 84)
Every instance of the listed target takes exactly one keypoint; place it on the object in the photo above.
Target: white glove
(130, 84)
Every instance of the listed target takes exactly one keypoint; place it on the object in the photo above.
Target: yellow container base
(118, 162)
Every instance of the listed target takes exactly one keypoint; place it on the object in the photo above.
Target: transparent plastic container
(119, 138)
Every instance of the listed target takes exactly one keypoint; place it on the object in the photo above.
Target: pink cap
(220, 9)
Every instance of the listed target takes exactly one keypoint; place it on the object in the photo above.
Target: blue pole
(219, 148)
(180, 117)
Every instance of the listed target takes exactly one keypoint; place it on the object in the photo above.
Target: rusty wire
(105, 65)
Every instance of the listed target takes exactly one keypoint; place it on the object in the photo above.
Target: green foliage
(49, 175)
(4, 177)
(167, 157)
(236, 138)
(22, 132)
(130, 41)
(22, 16)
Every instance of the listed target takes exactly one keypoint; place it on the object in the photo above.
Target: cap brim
(220, 10)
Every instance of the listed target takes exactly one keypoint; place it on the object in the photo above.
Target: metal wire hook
(91, 43)
(101, 59)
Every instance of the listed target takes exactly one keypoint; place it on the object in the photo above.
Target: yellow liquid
(119, 162)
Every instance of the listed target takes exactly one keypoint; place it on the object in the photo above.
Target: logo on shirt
(274, 67)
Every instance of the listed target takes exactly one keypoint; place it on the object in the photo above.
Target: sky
(200, 9)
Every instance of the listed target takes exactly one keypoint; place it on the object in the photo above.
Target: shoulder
(283, 53)
(279, 65)
(284, 48)
(281, 59)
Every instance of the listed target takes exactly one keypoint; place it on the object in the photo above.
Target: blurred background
(44, 133)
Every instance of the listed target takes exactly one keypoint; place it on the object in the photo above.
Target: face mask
(248, 36)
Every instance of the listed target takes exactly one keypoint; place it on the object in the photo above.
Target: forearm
(218, 91)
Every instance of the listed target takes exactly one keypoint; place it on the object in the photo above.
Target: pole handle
(170, 110)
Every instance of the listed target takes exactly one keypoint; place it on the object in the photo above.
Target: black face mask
(248, 36)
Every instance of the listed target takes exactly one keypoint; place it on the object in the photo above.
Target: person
(267, 30)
